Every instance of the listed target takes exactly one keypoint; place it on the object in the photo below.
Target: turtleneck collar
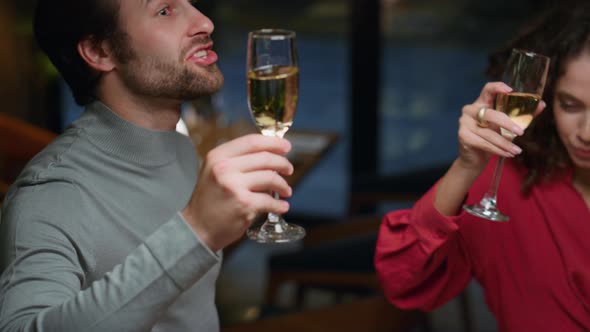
(125, 140)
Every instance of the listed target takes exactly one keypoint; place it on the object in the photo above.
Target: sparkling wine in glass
(273, 89)
(526, 73)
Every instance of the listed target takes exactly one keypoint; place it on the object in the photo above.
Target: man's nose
(200, 23)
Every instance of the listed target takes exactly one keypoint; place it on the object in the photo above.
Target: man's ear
(96, 54)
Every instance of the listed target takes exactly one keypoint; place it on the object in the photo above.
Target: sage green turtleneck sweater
(91, 237)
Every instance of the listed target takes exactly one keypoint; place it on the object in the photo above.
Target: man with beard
(108, 229)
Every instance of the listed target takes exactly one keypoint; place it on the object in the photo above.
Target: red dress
(534, 269)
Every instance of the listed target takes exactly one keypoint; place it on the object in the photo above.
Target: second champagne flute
(525, 73)
(273, 89)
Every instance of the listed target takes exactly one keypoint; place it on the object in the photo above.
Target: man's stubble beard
(152, 77)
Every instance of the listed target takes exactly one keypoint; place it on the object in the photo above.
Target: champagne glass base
(489, 213)
(276, 232)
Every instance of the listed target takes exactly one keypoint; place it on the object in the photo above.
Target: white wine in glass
(519, 106)
(526, 73)
(272, 98)
(273, 89)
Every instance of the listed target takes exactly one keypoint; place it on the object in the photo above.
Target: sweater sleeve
(419, 257)
(42, 285)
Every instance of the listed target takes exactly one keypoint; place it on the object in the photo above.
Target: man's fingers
(249, 144)
(262, 161)
(267, 181)
(266, 203)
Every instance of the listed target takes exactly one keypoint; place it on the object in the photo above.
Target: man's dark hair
(60, 24)
(562, 34)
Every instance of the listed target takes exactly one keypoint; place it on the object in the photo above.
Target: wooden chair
(338, 258)
(19, 142)
(323, 246)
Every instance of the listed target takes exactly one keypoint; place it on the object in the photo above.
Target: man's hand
(234, 186)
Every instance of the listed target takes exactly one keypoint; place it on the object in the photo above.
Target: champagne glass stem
(273, 217)
(489, 199)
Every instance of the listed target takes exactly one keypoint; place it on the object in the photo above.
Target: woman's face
(572, 110)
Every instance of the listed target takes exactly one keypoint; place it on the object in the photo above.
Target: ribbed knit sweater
(91, 237)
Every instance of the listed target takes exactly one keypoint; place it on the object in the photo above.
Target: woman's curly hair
(562, 33)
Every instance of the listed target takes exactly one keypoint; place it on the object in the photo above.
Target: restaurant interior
(382, 84)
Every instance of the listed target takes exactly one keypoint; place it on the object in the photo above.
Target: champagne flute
(526, 73)
(273, 87)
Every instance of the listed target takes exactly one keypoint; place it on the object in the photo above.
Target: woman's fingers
(489, 141)
(490, 91)
(540, 107)
(501, 142)
(501, 120)
(492, 118)
(473, 136)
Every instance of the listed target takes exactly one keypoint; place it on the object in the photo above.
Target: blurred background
(384, 79)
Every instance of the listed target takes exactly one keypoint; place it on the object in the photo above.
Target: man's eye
(164, 12)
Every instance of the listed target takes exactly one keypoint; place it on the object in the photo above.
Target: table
(308, 149)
